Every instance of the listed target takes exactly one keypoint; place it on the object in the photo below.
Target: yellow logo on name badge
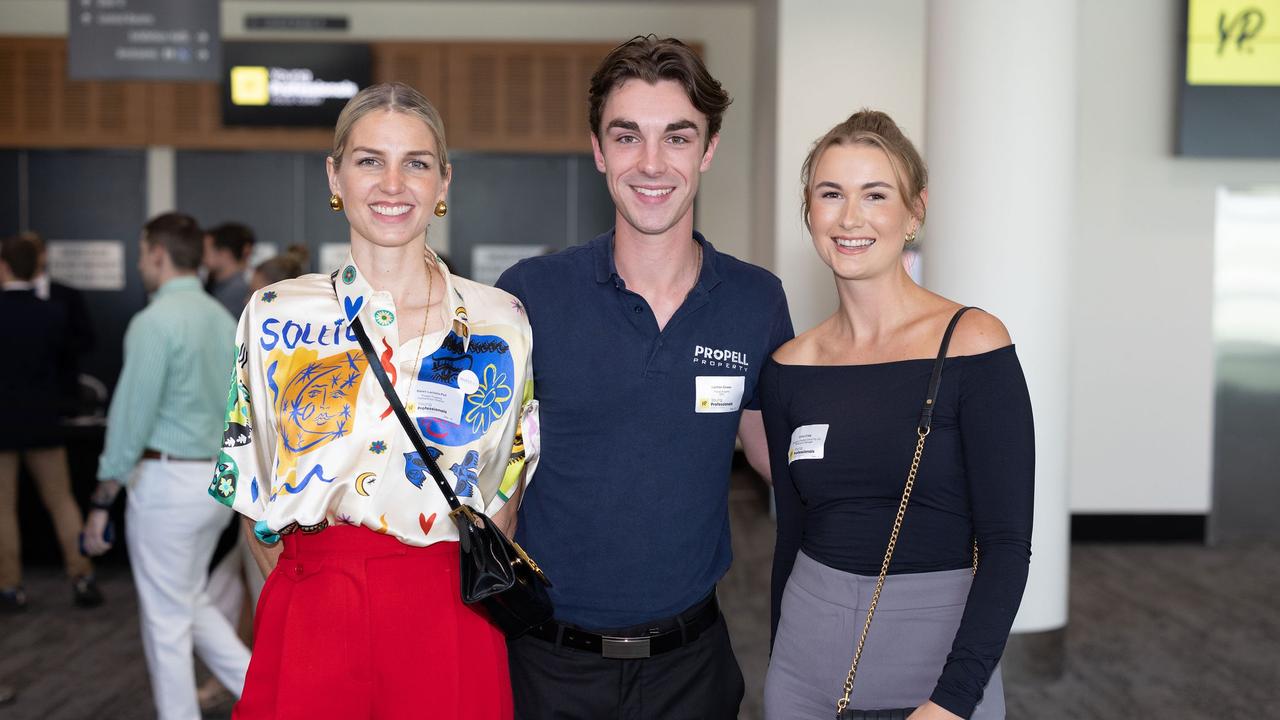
(250, 85)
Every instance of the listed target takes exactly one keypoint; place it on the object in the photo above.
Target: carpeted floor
(1156, 631)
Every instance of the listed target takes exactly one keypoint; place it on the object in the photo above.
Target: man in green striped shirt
(164, 430)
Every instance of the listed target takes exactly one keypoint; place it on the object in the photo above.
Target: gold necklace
(417, 354)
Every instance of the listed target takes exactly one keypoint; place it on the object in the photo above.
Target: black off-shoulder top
(976, 480)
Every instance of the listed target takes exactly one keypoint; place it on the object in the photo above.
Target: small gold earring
(441, 208)
(335, 202)
(911, 237)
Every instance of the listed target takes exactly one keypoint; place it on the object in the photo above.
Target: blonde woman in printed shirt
(361, 616)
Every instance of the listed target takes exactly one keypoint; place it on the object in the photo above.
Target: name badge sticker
(808, 442)
(718, 393)
(438, 401)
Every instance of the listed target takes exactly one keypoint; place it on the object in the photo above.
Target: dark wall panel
(283, 196)
(508, 200)
(10, 193)
(594, 207)
(95, 195)
(320, 224)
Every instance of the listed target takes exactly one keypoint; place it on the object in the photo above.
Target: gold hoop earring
(335, 202)
(441, 208)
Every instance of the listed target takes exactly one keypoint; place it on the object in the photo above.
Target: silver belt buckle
(624, 648)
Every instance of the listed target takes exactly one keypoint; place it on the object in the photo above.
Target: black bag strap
(402, 415)
(930, 400)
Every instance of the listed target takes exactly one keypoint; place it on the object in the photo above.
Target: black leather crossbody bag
(843, 711)
(495, 571)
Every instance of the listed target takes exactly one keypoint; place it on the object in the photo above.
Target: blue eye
(419, 165)
(367, 161)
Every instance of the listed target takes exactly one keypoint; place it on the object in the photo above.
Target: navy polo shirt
(628, 512)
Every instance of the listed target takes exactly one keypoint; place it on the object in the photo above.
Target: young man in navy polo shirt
(647, 347)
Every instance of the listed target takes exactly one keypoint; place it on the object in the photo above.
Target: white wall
(1142, 381)
(723, 28)
(834, 57)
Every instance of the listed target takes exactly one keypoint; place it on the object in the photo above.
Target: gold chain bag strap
(843, 712)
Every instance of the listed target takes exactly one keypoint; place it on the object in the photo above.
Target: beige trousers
(49, 469)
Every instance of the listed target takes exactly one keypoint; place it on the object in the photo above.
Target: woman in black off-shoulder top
(841, 404)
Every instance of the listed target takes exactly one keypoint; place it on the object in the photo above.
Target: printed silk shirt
(311, 440)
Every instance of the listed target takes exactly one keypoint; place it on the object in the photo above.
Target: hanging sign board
(144, 39)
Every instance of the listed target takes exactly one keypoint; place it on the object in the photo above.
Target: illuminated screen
(1229, 100)
(290, 84)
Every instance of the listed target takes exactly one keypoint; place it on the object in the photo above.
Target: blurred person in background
(287, 265)
(227, 249)
(162, 437)
(83, 335)
(236, 581)
(30, 426)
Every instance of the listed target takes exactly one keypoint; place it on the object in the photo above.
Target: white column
(161, 180)
(1001, 105)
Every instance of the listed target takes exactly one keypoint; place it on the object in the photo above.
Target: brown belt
(153, 454)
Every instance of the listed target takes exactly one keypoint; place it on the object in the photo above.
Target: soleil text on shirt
(293, 334)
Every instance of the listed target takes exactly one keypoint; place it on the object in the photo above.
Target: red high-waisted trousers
(357, 625)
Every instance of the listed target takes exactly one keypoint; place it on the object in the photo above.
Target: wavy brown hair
(647, 58)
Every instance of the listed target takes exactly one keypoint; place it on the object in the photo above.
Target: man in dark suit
(79, 327)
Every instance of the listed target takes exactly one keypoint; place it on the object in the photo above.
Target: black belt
(153, 454)
(665, 635)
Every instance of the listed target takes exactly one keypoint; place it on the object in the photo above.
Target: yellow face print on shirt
(314, 400)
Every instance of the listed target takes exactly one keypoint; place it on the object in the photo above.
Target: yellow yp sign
(1233, 42)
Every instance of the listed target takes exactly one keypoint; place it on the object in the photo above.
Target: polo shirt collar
(607, 268)
(355, 295)
(178, 284)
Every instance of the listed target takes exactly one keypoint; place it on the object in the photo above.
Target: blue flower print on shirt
(488, 363)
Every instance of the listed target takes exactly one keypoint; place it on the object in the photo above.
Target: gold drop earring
(441, 209)
(335, 202)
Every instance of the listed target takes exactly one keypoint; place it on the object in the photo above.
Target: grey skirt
(823, 610)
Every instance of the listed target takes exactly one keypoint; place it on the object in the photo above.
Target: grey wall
(283, 196)
(83, 195)
(551, 200)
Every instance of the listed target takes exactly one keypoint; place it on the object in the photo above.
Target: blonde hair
(877, 129)
(395, 97)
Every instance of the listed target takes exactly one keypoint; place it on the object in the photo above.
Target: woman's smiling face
(857, 215)
(390, 178)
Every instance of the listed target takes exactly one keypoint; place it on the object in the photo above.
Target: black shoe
(13, 599)
(86, 592)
